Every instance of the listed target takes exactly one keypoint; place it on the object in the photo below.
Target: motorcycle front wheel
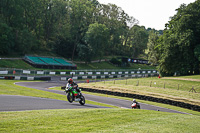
(82, 101)
(69, 98)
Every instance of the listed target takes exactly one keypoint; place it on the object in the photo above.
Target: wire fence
(181, 85)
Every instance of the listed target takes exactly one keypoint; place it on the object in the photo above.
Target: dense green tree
(197, 52)
(116, 20)
(180, 41)
(138, 40)
(152, 46)
(6, 39)
(97, 39)
(85, 52)
(81, 16)
(63, 27)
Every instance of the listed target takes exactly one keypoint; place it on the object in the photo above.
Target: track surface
(18, 103)
(21, 103)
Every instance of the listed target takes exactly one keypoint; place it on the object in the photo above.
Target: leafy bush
(115, 61)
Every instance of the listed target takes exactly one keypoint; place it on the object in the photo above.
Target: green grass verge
(178, 90)
(149, 102)
(107, 65)
(7, 87)
(89, 120)
(187, 77)
(142, 101)
(17, 63)
(98, 120)
(20, 64)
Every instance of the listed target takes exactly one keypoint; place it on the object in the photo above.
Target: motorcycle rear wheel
(82, 101)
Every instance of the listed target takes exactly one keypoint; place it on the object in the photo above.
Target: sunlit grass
(142, 101)
(179, 90)
(89, 120)
(7, 87)
(19, 64)
(98, 120)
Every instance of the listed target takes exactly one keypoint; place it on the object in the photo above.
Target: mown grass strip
(90, 120)
(143, 86)
(20, 64)
(7, 87)
(149, 102)
(98, 120)
(142, 101)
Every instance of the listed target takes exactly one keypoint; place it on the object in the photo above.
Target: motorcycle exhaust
(77, 99)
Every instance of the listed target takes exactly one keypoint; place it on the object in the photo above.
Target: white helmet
(134, 100)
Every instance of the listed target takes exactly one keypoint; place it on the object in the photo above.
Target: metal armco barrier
(14, 72)
(25, 78)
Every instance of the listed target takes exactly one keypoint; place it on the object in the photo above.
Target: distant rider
(137, 104)
(71, 84)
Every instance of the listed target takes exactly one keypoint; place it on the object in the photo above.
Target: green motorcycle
(74, 95)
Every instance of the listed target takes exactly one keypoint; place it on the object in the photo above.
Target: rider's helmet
(70, 80)
(134, 100)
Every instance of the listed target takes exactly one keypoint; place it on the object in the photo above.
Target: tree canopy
(70, 28)
(86, 29)
(178, 48)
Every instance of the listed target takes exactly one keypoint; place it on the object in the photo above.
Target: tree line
(86, 29)
(82, 29)
(177, 51)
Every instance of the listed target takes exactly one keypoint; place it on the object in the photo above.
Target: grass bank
(107, 65)
(141, 101)
(15, 63)
(20, 64)
(89, 120)
(173, 89)
(98, 120)
(7, 87)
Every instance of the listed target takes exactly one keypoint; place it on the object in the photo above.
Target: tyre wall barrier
(25, 78)
(147, 98)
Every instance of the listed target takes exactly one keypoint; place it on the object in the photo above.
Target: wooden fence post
(137, 83)
(193, 89)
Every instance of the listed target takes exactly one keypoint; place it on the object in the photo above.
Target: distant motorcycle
(74, 95)
(135, 106)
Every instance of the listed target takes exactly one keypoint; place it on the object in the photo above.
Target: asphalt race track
(19, 103)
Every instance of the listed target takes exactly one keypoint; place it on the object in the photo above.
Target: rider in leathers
(137, 104)
(71, 83)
